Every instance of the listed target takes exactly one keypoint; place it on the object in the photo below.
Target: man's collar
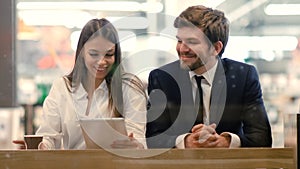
(208, 75)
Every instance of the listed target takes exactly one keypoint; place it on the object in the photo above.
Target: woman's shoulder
(60, 83)
(126, 75)
(58, 90)
(131, 81)
(132, 78)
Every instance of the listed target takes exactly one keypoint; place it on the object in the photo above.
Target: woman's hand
(130, 143)
(20, 143)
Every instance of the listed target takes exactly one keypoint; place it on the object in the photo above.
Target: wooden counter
(292, 132)
(240, 158)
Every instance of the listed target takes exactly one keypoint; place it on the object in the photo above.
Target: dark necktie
(199, 99)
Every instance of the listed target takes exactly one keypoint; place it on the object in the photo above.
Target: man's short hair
(212, 22)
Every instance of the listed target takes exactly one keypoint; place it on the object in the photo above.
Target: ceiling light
(101, 6)
(55, 17)
(129, 22)
(261, 43)
(94, 6)
(283, 9)
(212, 4)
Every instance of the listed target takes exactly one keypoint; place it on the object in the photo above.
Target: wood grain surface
(239, 158)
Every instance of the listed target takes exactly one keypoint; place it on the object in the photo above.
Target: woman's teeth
(101, 68)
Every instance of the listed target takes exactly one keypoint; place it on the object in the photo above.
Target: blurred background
(40, 38)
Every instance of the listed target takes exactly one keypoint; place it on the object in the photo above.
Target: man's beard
(193, 66)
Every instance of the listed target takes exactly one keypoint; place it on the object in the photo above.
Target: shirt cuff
(235, 140)
(180, 141)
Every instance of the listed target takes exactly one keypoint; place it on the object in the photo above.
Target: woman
(97, 87)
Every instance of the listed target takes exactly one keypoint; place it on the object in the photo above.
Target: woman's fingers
(21, 143)
(18, 142)
(130, 135)
(124, 144)
(131, 142)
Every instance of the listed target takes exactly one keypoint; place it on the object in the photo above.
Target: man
(231, 113)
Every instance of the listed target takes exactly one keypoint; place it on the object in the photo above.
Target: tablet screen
(101, 132)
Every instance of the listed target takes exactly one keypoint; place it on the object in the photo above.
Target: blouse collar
(82, 94)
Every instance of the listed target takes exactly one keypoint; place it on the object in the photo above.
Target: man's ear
(218, 47)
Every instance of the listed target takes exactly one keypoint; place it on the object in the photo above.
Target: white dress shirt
(62, 109)
(206, 85)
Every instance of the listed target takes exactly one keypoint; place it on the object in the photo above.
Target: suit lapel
(187, 110)
(218, 94)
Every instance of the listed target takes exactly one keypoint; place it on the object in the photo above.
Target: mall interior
(38, 41)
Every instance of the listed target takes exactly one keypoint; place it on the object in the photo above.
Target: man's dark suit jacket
(236, 105)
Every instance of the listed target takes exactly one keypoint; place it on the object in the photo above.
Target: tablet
(101, 132)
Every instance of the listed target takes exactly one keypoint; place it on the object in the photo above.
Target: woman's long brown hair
(115, 77)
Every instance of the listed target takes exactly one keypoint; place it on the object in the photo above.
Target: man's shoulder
(233, 64)
(167, 70)
(169, 66)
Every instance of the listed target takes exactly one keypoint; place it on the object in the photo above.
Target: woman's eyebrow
(111, 49)
(93, 50)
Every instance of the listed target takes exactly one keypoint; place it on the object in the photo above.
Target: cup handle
(42, 146)
(25, 145)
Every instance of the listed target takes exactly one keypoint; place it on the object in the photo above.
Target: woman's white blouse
(62, 109)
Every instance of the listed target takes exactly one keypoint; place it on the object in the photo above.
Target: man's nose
(184, 47)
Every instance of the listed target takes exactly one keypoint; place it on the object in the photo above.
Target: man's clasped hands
(205, 136)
